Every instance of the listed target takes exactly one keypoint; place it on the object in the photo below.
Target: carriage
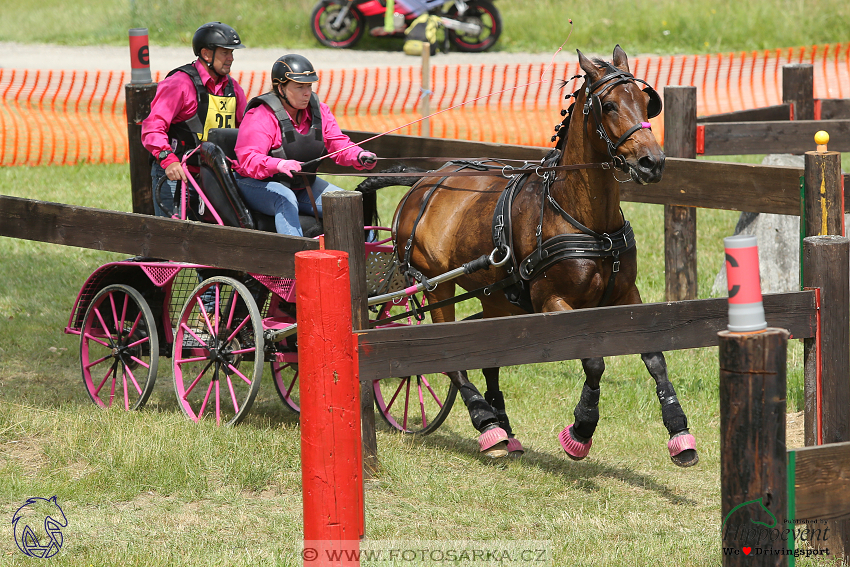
(226, 332)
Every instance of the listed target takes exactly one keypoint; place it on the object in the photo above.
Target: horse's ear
(587, 65)
(621, 60)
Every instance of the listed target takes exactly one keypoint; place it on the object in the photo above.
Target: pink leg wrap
(681, 442)
(575, 449)
(515, 448)
(491, 437)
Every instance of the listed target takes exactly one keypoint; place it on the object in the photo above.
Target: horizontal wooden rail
(834, 108)
(786, 137)
(776, 112)
(142, 235)
(822, 481)
(548, 337)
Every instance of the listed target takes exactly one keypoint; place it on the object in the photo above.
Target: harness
(185, 136)
(295, 145)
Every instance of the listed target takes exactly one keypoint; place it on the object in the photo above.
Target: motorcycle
(471, 25)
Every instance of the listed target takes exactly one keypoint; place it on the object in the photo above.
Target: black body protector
(294, 145)
(214, 111)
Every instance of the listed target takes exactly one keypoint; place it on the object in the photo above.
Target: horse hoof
(493, 443)
(515, 448)
(576, 450)
(682, 447)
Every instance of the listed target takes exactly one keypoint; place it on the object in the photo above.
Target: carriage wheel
(119, 348)
(285, 376)
(218, 352)
(415, 404)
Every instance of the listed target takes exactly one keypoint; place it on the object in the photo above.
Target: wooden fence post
(426, 88)
(680, 223)
(343, 220)
(139, 99)
(331, 455)
(827, 357)
(752, 446)
(823, 194)
(798, 90)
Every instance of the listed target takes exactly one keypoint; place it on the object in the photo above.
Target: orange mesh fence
(67, 117)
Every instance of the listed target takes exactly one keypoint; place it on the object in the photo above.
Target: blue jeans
(277, 200)
(166, 192)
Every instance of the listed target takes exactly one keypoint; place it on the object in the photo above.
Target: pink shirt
(260, 133)
(176, 101)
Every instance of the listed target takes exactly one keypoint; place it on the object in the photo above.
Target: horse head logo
(37, 526)
(758, 505)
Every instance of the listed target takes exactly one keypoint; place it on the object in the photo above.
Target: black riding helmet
(295, 68)
(215, 34)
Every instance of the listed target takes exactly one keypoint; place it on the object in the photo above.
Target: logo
(37, 527)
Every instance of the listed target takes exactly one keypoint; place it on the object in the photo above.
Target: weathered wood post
(827, 358)
(343, 220)
(752, 446)
(426, 88)
(798, 90)
(331, 455)
(680, 223)
(139, 93)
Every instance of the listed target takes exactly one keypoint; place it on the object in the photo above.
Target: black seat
(219, 185)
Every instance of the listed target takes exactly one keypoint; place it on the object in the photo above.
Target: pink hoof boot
(493, 442)
(515, 448)
(576, 450)
(682, 449)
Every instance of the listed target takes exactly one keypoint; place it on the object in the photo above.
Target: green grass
(151, 488)
(665, 26)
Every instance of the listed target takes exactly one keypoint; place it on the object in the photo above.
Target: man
(188, 102)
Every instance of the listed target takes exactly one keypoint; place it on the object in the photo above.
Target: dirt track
(45, 56)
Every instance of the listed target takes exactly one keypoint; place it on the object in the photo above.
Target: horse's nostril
(648, 162)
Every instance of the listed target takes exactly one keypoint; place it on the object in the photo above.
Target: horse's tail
(369, 187)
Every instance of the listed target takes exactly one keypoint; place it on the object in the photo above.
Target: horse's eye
(609, 107)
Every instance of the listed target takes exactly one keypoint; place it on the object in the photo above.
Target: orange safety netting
(67, 117)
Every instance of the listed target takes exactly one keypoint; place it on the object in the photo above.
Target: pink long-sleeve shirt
(176, 101)
(260, 133)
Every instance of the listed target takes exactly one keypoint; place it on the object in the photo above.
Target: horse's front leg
(496, 399)
(682, 445)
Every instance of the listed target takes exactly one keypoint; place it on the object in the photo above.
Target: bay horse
(569, 244)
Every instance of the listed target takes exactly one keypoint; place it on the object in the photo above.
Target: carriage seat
(219, 185)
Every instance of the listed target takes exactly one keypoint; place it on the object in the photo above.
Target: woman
(282, 130)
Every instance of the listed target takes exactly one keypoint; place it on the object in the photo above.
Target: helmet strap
(211, 65)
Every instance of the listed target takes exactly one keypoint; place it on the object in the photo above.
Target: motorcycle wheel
(350, 33)
(484, 14)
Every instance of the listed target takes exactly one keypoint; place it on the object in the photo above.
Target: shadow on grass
(580, 472)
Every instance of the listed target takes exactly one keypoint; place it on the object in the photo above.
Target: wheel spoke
(406, 402)
(196, 337)
(106, 330)
(217, 401)
(236, 371)
(132, 378)
(198, 379)
(237, 329)
(206, 399)
(98, 361)
(400, 386)
(138, 342)
(124, 312)
(114, 313)
(421, 402)
(232, 395)
(105, 378)
(124, 370)
(430, 389)
(217, 308)
(140, 362)
(292, 385)
(203, 311)
(95, 339)
(135, 324)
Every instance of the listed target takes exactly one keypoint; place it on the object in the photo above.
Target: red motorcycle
(471, 25)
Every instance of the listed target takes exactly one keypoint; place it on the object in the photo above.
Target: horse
(568, 243)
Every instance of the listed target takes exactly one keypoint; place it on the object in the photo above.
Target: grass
(664, 26)
(151, 488)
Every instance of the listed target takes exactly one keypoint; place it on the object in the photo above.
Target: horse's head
(616, 116)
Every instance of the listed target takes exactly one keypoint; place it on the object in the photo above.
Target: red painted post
(331, 454)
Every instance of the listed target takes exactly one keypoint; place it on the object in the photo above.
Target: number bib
(221, 113)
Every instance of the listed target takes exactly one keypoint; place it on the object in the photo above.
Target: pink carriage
(221, 327)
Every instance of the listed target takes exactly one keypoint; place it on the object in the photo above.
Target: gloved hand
(288, 166)
(367, 159)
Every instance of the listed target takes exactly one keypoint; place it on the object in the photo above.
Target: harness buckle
(616, 266)
(539, 230)
(610, 242)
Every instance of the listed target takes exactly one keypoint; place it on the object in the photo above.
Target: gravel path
(110, 58)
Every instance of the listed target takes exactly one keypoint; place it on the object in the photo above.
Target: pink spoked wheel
(218, 352)
(415, 404)
(285, 376)
(119, 348)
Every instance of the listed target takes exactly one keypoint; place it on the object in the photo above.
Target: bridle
(593, 103)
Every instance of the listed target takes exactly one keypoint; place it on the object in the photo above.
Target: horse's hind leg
(492, 439)
(682, 445)
(578, 437)
(496, 399)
